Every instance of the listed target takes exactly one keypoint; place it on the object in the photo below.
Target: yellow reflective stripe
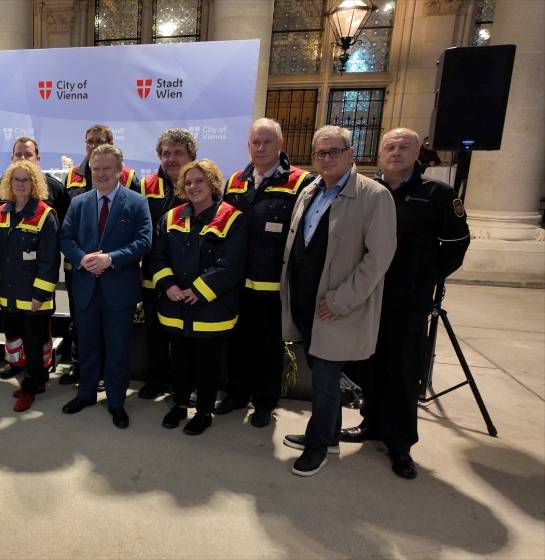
(148, 284)
(161, 274)
(129, 178)
(161, 193)
(44, 285)
(4, 301)
(204, 289)
(236, 190)
(225, 229)
(170, 322)
(289, 190)
(7, 220)
(27, 305)
(38, 227)
(143, 186)
(201, 326)
(262, 286)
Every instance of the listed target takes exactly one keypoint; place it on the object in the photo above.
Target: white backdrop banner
(55, 95)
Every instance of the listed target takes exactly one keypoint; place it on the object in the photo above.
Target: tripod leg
(471, 381)
(431, 342)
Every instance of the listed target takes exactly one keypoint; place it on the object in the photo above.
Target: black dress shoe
(70, 377)
(198, 424)
(228, 404)
(260, 418)
(120, 418)
(100, 386)
(357, 434)
(76, 405)
(403, 465)
(173, 418)
(151, 390)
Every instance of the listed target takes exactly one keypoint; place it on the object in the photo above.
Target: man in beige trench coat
(341, 241)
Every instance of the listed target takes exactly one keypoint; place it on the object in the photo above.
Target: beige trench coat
(361, 245)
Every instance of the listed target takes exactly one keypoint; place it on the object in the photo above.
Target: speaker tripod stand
(426, 386)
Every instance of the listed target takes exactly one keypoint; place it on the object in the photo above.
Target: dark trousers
(104, 348)
(35, 332)
(324, 425)
(391, 397)
(72, 329)
(158, 345)
(197, 362)
(256, 351)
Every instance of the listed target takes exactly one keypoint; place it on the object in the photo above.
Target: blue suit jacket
(127, 238)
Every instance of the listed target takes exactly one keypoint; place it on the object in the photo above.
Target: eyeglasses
(21, 181)
(334, 153)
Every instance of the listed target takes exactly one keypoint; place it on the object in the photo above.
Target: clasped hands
(96, 263)
(175, 293)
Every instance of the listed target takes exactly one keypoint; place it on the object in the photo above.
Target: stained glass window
(296, 42)
(359, 110)
(295, 110)
(484, 21)
(371, 51)
(176, 21)
(118, 22)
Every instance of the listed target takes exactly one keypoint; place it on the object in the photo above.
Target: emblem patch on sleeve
(458, 207)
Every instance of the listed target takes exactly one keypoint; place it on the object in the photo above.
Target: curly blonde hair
(210, 170)
(39, 187)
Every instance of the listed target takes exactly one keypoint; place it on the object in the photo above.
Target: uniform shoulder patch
(458, 207)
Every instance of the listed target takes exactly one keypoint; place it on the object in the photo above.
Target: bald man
(432, 238)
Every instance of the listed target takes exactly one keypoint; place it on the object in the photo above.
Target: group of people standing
(230, 272)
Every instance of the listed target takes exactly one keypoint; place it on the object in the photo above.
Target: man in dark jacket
(432, 238)
(175, 147)
(266, 191)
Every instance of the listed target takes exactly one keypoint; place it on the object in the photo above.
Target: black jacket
(206, 254)
(268, 213)
(432, 238)
(159, 192)
(29, 256)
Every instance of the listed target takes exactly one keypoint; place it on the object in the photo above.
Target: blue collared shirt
(109, 196)
(322, 201)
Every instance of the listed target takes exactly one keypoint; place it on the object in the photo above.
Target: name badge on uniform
(29, 255)
(274, 227)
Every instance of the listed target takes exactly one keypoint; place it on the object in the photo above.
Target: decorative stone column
(424, 29)
(16, 20)
(505, 186)
(246, 19)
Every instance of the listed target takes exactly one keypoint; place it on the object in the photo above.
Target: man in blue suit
(105, 234)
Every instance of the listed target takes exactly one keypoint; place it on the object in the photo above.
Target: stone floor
(76, 487)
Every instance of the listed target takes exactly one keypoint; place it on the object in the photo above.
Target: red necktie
(103, 216)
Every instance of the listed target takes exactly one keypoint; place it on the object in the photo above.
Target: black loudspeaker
(472, 90)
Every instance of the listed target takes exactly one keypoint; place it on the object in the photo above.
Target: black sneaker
(173, 418)
(310, 462)
(298, 442)
(260, 418)
(198, 424)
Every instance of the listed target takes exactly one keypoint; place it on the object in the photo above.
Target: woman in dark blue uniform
(198, 265)
(29, 269)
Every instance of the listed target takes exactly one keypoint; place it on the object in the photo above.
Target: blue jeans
(324, 425)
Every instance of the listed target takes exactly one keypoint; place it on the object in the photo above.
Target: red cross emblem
(44, 87)
(143, 87)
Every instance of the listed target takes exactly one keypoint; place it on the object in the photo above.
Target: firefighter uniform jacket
(206, 253)
(159, 192)
(268, 212)
(432, 238)
(29, 256)
(79, 179)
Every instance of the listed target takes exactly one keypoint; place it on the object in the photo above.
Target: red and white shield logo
(143, 87)
(44, 87)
